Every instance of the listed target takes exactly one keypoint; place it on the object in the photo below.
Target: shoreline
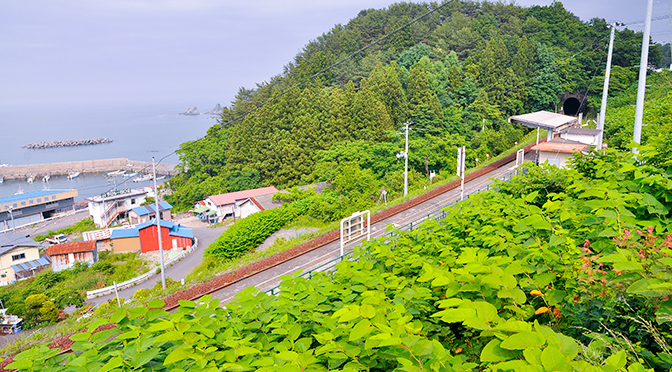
(13, 172)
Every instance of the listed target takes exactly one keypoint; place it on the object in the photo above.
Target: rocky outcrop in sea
(191, 111)
(217, 110)
(67, 143)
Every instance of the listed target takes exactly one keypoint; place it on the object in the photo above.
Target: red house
(173, 236)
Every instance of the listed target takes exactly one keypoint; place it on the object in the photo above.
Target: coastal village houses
(239, 204)
(108, 208)
(28, 208)
(19, 258)
(147, 212)
(173, 236)
(64, 256)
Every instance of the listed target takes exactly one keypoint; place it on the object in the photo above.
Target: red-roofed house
(63, 256)
(242, 203)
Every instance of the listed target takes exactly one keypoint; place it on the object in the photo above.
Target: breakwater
(86, 166)
(67, 143)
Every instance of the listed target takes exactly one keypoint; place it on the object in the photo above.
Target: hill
(456, 69)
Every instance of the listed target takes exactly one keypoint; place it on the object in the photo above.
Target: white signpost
(520, 157)
(355, 227)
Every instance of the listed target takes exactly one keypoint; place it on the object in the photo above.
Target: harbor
(70, 168)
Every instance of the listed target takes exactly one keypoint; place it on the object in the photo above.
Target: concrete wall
(558, 159)
(87, 166)
(125, 245)
(65, 261)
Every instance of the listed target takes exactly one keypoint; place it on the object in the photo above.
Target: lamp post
(158, 225)
(12, 216)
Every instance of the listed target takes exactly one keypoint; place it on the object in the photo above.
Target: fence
(436, 215)
(139, 279)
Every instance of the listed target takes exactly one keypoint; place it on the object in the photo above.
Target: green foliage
(247, 233)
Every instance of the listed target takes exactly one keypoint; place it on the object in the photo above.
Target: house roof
(29, 195)
(151, 208)
(31, 265)
(544, 120)
(124, 233)
(582, 131)
(9, 241)
(173, 228)
(230, 198)
(73, 247)
(561, 145)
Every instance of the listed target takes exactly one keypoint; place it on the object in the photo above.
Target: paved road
(178, 270)
(270, 278)
(55, 224)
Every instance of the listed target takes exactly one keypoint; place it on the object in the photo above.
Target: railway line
(323, 252)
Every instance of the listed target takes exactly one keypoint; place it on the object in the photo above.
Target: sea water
(138, 132)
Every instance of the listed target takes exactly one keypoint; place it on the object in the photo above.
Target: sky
(188, 52)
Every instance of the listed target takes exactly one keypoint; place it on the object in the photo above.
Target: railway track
(426, 206)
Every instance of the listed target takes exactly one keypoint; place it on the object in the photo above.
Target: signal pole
(404, 154)
(605, 89)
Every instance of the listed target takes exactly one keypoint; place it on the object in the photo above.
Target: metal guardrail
(141, 278)
(435, 215)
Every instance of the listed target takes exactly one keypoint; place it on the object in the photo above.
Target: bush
(249, 232)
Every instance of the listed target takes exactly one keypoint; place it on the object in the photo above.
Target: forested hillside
(456, 69)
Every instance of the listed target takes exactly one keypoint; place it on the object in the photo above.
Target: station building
(31, 207)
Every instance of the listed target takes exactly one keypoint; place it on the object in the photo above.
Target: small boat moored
(73, 175)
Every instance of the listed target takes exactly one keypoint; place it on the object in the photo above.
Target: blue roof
(151, 208)
(164, 223)
(183, 231)
(173, 228)
(29, 195)
(124, 233)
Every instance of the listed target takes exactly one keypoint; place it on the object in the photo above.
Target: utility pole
(158, 226)
(643, 67)
(404, 154)
(605, 89)
(11, 214)
(461, 157)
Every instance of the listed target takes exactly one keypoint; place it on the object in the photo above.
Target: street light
(12, 216)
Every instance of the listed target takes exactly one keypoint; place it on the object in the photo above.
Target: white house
(239, 204)
(558, 151)
(582, 135)
(107, 208)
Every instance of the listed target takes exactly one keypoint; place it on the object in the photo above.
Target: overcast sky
(190, 52)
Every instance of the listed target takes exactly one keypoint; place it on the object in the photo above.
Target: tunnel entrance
(573, 104)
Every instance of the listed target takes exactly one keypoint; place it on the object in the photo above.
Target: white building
(107, 208)
(582, 135)
(239, 204)
(558, 151)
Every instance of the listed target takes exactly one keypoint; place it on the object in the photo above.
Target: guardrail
(435, 215)
(141, 278)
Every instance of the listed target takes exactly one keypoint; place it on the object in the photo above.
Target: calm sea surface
(139, 132)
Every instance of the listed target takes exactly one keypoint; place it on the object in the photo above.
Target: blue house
(147, 212)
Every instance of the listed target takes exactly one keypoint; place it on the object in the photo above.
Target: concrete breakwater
(85, 166)
(67, 143)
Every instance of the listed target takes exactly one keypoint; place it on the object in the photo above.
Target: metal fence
(436, 215)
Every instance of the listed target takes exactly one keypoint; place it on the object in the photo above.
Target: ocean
(138, 132)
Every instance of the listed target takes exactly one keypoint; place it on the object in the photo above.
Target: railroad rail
(227, 280)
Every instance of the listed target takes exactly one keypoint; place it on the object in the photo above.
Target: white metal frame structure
(520, 157)
(354, 227)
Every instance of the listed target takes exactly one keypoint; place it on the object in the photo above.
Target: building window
(18, 256)
(31, 201)
(39, 200)
(3, 275)
(15, 205)
(23, 203)
(53, 197)
(132, 201)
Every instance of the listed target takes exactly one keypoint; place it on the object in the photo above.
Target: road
(270, 278)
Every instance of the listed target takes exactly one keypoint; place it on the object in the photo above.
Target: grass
(77, 228)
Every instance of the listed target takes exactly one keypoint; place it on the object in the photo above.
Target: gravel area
(285, 233)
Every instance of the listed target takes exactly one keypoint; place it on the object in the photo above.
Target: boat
(160, 178)
(2, 180)
(131, 174)
(146, 177)
(116, 173)
(31, 179)
(73, 175)
(19, 191)
(46, 178)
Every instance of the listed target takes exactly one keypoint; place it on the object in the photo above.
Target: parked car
(57, 239)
